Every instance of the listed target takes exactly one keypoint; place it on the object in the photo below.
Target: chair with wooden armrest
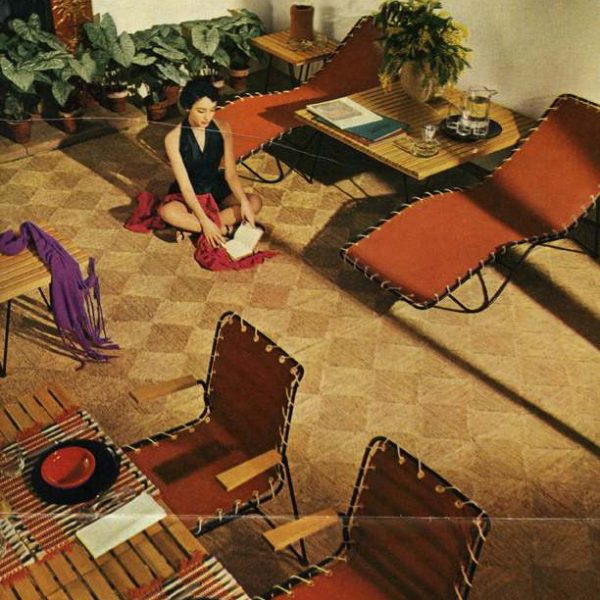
(542, 191)
(407, 535)
(232, 459)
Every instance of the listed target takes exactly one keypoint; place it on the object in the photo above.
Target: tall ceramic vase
(418, 82)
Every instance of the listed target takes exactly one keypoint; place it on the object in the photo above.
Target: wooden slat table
(277, 44)
(25, 272)
(158, 553)
(398, 105)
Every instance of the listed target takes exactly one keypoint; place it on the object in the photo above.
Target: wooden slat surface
(158, 552)
(26, 272)
(397, 105)
(277, 45)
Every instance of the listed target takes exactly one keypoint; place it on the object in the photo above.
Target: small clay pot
(172, 94)
(69, 121)
(20, 131)
(117, 101)
(158, 110)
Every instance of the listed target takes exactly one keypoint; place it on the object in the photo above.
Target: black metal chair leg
(47, 302)
(3, 366)
(288, 476)
(268, 75)
(262, 179)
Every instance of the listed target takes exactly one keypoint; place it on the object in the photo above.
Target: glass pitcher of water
(478, 108)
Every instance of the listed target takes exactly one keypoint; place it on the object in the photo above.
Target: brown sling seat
(432, 245)
(232, 459)
(407, 535)
(259, 119)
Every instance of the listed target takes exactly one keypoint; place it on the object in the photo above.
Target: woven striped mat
(203, 577)
(37, 529)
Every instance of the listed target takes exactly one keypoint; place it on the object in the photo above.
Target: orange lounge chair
(258, 120)
(407, 535)
(428, 248)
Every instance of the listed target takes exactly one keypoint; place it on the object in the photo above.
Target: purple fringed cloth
(75, 301)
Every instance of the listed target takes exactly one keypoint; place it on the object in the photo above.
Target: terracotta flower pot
(158, 110)
(239, 78)
(20, 131)
(117, 101)
(69, 121)
(172, 94)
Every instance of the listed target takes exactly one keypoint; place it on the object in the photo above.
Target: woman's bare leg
(231, 212)
(176, 214)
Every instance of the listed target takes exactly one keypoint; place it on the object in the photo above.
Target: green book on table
(378, 130)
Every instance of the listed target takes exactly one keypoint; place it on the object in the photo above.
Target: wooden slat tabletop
(156, 554)
(25, 271)
(277, 45)
(397, 105)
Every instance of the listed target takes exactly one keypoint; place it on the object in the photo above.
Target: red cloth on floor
(145, 218)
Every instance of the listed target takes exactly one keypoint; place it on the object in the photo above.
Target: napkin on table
(122, 524)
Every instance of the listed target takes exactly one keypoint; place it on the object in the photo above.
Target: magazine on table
(352, 117)
(244, 241)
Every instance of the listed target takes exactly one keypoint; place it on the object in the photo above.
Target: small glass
(12, 462)
(427, 145)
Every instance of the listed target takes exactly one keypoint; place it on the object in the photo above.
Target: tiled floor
(504, 404)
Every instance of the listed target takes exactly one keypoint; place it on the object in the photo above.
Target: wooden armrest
(249, 469)
(151, 391)
(285, 535)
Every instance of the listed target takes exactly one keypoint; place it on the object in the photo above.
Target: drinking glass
(12, 462)
(427, 145)
(478, 106)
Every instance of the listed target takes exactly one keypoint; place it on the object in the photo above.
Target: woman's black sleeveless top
(202, 166)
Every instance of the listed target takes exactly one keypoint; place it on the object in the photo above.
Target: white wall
(131, 15)
(529, 50)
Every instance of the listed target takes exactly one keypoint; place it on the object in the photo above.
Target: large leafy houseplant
(237, 31)
(27, 55)
(165, 51)
(205, 53)
(114, 53)
(418, 32)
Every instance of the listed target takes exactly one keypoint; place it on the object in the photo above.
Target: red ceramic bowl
(68, 467)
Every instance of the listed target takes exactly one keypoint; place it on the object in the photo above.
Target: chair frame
(283, 468)
(240, 98)
(382, 443)
(534, 242)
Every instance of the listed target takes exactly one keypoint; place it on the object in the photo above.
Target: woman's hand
(247, 212)
(213, 235)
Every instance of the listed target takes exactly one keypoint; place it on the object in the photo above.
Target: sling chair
(260, 119)
(407, 535)
(231, 459)
(432, 245)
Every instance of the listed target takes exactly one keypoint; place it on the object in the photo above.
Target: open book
(352, 117)
(343, 112)
(244, 241)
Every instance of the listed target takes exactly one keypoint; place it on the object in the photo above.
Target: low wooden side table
(23, 273)
(277, 44)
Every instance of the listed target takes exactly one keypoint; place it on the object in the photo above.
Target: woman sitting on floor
(196, 148)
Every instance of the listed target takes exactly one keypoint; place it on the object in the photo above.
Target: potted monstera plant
(165, 52)
(114, 53)
(27, 54)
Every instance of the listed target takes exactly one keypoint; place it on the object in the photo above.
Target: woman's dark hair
(195, 89)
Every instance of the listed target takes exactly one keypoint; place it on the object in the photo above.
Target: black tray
(494, 129)
(104, 475)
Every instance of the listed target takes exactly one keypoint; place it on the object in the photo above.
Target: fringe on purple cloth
(75, 301)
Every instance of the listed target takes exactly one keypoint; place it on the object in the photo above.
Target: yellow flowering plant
(417, 30)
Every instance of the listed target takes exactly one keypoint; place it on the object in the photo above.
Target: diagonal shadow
(323, 250)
